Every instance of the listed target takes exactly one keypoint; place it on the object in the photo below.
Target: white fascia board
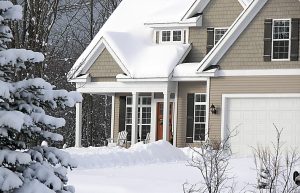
(143, 79)
(197, 23)
(262, 72)
(122, 87)
(82, 79)
(82, 60)
(197, 7)
(189, 79)
(232, 34)
(91, 58)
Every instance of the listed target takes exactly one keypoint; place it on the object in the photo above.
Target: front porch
(137, 107)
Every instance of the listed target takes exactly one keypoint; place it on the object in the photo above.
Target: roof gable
(105, 66)
(232, 34)
(132, 42)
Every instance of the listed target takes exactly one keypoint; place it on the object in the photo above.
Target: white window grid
(219, 33)
(143, 109)
(281, 36)
(172, 36)
(201, 119)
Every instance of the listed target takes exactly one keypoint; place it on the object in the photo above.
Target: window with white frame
(281, 39)
(177, 36)
(199, 117)
(166, 36)
(172, 36)
(219, 33)
(144, 116)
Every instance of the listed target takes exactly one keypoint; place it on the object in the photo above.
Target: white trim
(290, 40)
(153, 119)
(185, 23)
(244, 4)
(206, 124)
(82, 79)
(207, 108)
(197, 7)
(112, 123)
(120, 87)
(142, 79)
(232, 34)
(171, 36)
(262, 72)
(175, 112)
(225, 97)
(78, 131)
(200, 77)
(155, 101)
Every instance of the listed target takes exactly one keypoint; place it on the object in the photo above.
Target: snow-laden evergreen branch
(23, 116)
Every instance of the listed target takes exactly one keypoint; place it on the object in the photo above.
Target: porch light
(213, 109)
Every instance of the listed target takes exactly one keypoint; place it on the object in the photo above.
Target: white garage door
(253, 119)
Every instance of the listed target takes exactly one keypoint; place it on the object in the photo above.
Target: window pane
(176, 36)
(166, 36)
(129, 100)
(128, 129)
(197, 98)
(146, 101)
(203, 98)
(281, 49)
(145, 130)
(219, 34)
(281, 29)
(199, 134)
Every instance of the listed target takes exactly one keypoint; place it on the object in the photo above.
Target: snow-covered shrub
(275, 167)
(25, 169)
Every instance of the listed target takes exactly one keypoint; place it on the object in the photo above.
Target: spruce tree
(23, 117)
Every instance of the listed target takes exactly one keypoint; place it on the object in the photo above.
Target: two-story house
(185, 70)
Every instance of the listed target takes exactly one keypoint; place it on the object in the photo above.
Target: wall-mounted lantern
(213, 109)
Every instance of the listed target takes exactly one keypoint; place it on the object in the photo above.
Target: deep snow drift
(152, 168)
(139, 154)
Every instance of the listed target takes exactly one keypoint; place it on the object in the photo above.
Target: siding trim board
(266, 72)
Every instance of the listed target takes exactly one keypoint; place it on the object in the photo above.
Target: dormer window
(177, 36)
(171, 36)
(166, 36)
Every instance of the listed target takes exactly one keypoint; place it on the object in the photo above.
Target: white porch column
(78, 133)
(134, 131)
(166, 116)
(112, 118)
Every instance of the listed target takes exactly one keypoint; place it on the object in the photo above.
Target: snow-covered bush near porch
(23, 101)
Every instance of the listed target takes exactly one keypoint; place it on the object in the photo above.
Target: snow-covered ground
(153, 168)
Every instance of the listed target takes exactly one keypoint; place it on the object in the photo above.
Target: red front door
(159, 121)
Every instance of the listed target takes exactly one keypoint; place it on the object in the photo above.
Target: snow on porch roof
(132, 41)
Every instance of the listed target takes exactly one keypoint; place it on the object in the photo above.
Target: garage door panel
(255, 118)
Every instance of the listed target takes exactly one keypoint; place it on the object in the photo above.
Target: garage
(252, 117)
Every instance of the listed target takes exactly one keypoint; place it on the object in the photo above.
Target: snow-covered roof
(131, 40)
